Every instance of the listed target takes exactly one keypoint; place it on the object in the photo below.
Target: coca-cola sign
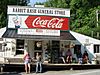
(47, 22)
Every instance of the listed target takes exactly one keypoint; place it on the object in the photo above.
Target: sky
(34, 1)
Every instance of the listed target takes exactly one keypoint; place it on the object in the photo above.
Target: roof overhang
(12, 33)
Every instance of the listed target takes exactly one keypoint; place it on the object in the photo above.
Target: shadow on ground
(10, 73)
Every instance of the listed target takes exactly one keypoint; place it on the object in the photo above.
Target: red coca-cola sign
(47, 22)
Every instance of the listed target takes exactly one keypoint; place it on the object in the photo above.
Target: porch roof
(12, 33)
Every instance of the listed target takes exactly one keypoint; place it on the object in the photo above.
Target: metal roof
(12, 33)
(2, 31)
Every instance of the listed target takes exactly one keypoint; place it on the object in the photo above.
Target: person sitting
(85, 58)
(62, 54)
(68, 56)
(79, 56)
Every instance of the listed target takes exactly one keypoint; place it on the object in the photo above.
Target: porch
(17, 64)
(50, 67)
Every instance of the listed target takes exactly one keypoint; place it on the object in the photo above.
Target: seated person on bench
(85, 58)
(62, 54)
(68, 56)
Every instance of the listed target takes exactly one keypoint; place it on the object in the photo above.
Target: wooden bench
(97, 58)
(15, 60)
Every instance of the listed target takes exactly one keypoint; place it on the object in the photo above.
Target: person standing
(27, 61)
(38, 63)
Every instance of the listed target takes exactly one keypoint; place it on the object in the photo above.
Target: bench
(1, 67)
(97, 57)
(17, 60)
(14, 60)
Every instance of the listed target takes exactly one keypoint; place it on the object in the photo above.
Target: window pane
(96, 48)
(20, 46)
(77, 47)
(0, 47)
(38, 45)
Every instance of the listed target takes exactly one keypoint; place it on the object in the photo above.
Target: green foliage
(3, 9)
(56, 3)
(83, 14)
(39, 3)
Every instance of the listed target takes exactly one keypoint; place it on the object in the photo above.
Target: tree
(83, 14)
(39, 3)
(56, 3)
(3, 9)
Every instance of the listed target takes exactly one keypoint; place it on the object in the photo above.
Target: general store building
(44, 30)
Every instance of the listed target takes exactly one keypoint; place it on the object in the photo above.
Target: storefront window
(38, 45)
(47, 52)
(96, 48)
(0, 47)
(76, 48)
(55, 51)
(19, 46)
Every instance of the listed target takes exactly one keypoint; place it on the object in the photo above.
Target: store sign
(38, 32)
(48, 18)
(26, 10)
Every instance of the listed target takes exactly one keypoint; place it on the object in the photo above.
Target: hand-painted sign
(47, 22)
(44, 18)
(44, 22)
(26, 10)
(49, 32)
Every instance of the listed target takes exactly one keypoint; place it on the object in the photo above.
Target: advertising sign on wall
(31, 17)
(49, 32)
(45, 22)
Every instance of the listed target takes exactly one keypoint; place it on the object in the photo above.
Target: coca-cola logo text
(52, 23)
(47, 22)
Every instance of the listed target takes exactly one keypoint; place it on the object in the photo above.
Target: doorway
(55, 51)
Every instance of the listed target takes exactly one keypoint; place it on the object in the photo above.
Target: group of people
(27, 61)
(66, 56)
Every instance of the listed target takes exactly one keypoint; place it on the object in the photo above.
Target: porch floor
(47, 67)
